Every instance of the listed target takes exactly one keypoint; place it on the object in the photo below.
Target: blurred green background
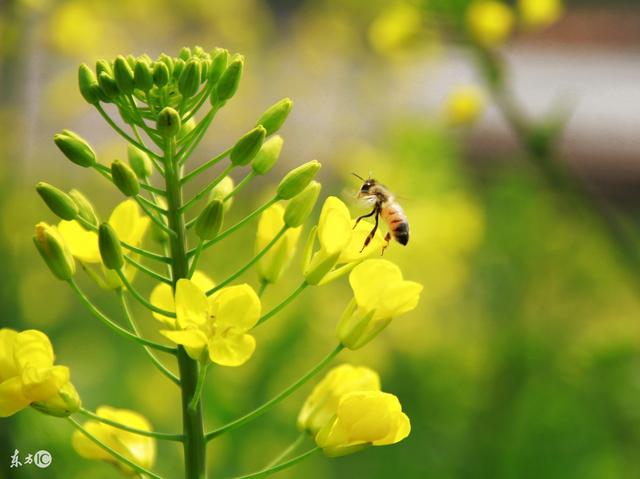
(523, 358)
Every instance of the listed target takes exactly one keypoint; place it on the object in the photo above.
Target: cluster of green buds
(165, 107)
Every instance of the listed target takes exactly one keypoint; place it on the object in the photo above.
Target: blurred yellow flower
(218, 323)
(272, 265)
(364, 418)
(76, 29)
(380, 294)
(536, 14)
(137, 448)
(322, 404)
(162, 296)
(28, 376)
(464, 105)
(489, 22)
(395, 28)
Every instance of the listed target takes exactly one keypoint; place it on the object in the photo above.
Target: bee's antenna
(358, 176)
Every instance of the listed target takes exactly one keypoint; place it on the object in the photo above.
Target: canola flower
(537, 14)
(489, 22)
(162, 229)
(464, 105)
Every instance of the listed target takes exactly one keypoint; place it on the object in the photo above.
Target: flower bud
(178, 66)
(63, 404)
(124, 178)
(108, 86)
(267, 156)
(55, 252)
(222, 190)
(103, 65)
(58, 201)
(110, 249)
(464, 105)
(167, 60)
(219, 58)
(297, 180)
(247, 146)
(75, 148)
(140, 162)
(168, 124)
(229, 81)
(143, 76)
(189, 79)
(88, 84)
(301, 206)
(186, 128)
(210, 219)
(85, 208)
(127, 115)
(185, 53)
(123, 74)
(274, 117)
(161, 74)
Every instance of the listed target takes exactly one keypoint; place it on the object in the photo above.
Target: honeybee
(385, 205)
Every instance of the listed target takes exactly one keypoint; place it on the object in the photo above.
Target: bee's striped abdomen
(397, 221)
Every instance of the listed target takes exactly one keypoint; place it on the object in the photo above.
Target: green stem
(288, 451)
(152, 204)
(124, 134)
(204, 166)
(127, 313)
(186, 151)
(253, 261)
(259, 411)
(243, 182)
(203, 192)
(165, 436)
(113, 452)
(158, 222)
(279, 467)
(262, 288)
(141, 299)
(202, 376)
(196, 258)
(265, 317)
(115, 327)
(146, 270)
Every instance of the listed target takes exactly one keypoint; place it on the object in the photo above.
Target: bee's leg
(373, 231)
(373, 212)
(387, 238)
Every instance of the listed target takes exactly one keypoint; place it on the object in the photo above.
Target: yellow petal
(231, 350)
(12, 399)
(83, 244)
(270, 223)
(127, 222)
(40, 384)
(192, 307)
(352, 250)
(399, 298)
(367, 415)
(202, 281)
(86, 448)
(235, 307)
(334, 226)
(193, 340)
(370, 279)
(162, 297)
(401, 429)
(32, 349)
(8, 366)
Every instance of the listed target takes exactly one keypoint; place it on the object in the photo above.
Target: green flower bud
(185, 53)
(108, 86)
(110, 249)
(178, 66)
(127, 115)
(123, 75)
(85, 208)
(247, 146)
(143, 76)
(274, 116)
(88, 85)
(229, 81)
(124, 178)
(103, 65)
(131, 61)
(63, 404)
(219, 58)
(210, 219)
(161, 74)
(186, 128)
(168, 61)
(168, 123)
(301, 206)
(267, 156)
(297, 180)
(222, 190)
(189, 81)
(140, 162)
(75, 148)
(58, 201)
(199, 52)
(55, 252)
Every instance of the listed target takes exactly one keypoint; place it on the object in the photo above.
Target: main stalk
(192, 421)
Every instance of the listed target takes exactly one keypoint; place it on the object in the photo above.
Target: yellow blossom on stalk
(397, 27)
(536, 14)
(322, 404)
(217, 325)
(272, 265)
(129, 225)
(380, 294)
(489, 22)
(139, 449)
(29, 377)
(363, 418)
(464, 105)
(162, 296)
(339, 242)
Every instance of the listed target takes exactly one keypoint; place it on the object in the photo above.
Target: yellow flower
(272, 265)
(218, 324)
(137, 448)
(130, 227)
(396, 28)
(489, 22)
(339, 242)
(322, 404)
(380, 294)
(29, 377)
(536, 14)
(162, 296)
(464, 105)
(364, 418)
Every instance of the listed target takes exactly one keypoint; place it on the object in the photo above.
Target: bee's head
(367, 188)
